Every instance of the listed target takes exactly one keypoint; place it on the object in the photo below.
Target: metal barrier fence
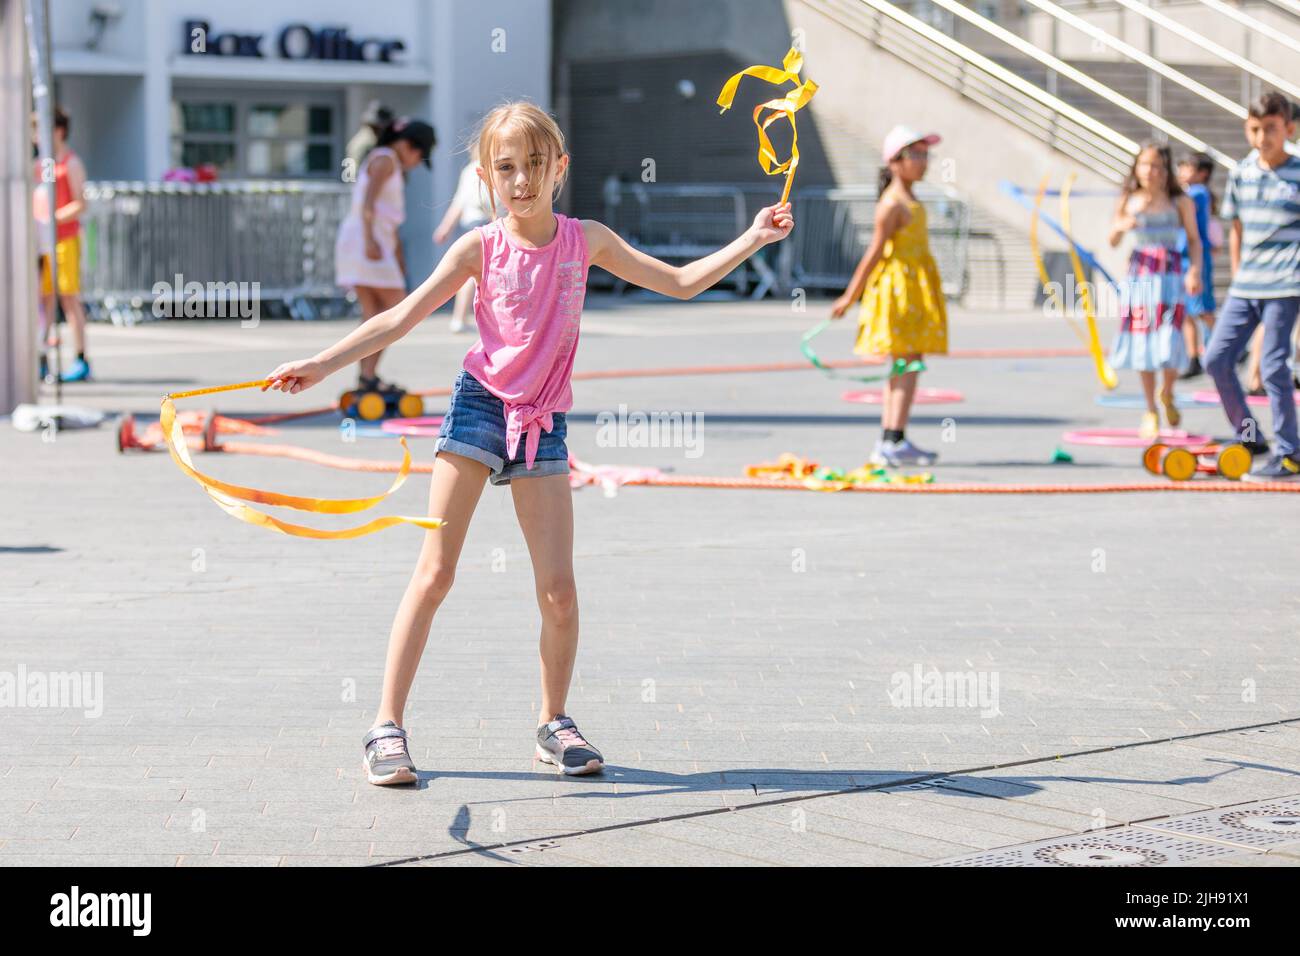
(225, 236)
(140, 237)
(834, 226)
(682, 222)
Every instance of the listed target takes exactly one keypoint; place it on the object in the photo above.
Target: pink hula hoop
(424, 427)
(924, 396)
(1128, 438)
(1209, 395)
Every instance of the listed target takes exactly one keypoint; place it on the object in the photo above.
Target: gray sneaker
(560, 743)
(387, 761)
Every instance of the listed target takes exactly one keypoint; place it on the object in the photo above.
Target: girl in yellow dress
(903, 314)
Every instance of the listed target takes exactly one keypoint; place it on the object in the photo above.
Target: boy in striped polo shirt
(1262, 202)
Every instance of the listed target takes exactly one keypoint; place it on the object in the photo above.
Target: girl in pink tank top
(527, 309)
(506, 417)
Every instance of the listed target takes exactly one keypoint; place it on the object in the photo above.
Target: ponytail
(886, 177)
(390, 133)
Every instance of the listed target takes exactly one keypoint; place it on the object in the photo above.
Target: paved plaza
(774, 677)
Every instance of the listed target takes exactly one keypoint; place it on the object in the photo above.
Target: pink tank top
(527, 308)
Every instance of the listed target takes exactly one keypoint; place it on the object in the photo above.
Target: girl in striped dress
(1156, 212)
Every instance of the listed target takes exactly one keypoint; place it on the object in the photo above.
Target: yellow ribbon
(1049, 287)
(225, 494)
(1104, 371)
(794, 100)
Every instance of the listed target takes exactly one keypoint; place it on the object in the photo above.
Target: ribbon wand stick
(795, 99)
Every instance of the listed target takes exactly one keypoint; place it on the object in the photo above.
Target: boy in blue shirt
(1262, 202)
(1195, 170)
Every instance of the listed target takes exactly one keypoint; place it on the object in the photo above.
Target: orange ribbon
(794, 100)
(225, 494)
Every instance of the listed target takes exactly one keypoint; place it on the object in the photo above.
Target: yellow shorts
(68, 252)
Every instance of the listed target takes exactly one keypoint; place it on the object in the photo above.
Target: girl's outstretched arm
(463, 261)
(608, 250)
(889, 217)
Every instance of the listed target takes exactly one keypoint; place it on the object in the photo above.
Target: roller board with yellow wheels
(1229, 461)
(373, 400)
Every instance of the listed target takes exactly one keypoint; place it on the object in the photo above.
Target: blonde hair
(540, 132)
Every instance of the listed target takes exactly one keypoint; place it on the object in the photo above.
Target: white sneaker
(899, 454)
(880, 455)
(457, 325)
(905, 453)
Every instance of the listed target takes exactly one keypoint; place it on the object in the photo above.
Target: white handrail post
(1151, 15)
(1153, 81)
(1056, 51)
(1078, 76)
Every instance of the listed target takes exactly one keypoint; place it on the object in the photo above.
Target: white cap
(901, 137)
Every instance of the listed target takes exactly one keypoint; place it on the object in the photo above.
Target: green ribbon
(900, 366)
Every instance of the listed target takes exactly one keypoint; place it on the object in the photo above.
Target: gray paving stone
(222, 694)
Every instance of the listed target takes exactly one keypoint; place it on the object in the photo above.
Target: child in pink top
(528, 326)
(506, 418)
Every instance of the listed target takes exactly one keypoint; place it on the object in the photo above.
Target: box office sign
(296, 41)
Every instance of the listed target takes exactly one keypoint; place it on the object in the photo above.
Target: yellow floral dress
(903, 308)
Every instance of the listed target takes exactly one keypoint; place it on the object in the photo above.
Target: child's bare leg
(369, 304)
(454, 493)
(76, 314)
(887, 403)
(904, 392)
(545, 510)
(49, 325)
(372, 302)
(1148, 380)
(1168, 377)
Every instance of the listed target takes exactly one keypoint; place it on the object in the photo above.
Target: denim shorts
(475, 427)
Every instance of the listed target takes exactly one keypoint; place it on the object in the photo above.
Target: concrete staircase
(872, 83)
(1178, 105)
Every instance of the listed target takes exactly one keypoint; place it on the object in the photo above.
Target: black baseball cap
(416, 132)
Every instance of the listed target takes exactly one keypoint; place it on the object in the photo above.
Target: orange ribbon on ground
(225, 494)
(794, 100)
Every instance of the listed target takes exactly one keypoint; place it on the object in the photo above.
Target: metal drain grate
(1267, 823)
(1122, 846)
(1176, 840)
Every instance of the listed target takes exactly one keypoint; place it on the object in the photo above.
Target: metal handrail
(1291, 6)
(1078, 76)
(1133, 53)
(1223, 53)
(990, 84)
(1259, 26)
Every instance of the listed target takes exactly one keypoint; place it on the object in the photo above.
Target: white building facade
(274, 89)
